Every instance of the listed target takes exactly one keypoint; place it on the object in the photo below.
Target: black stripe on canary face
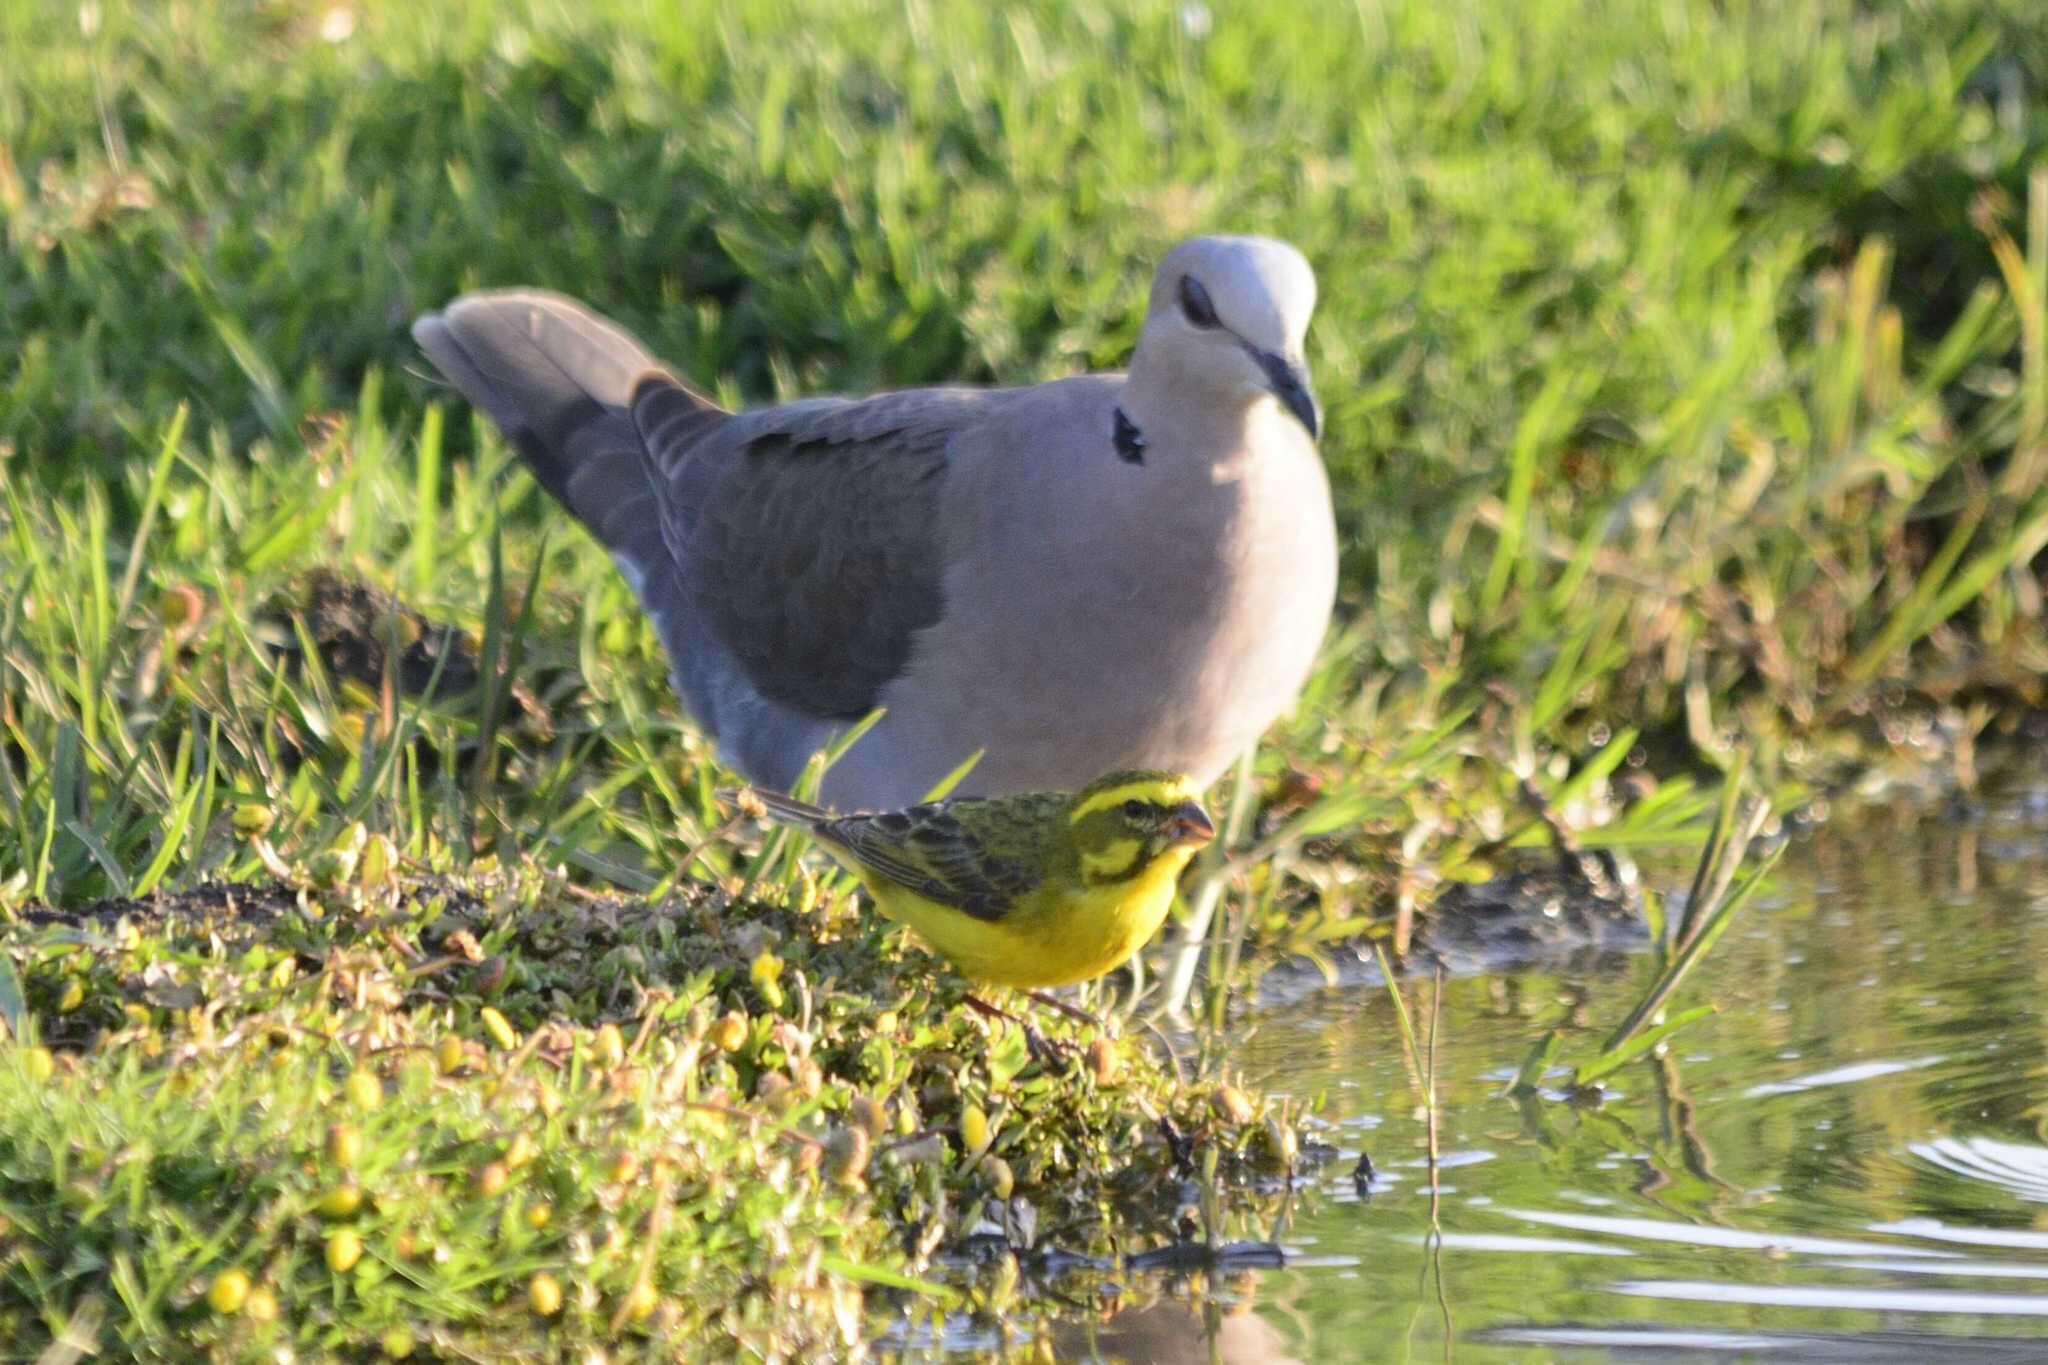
(1122, 823)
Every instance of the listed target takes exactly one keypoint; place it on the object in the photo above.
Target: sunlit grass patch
(449, 1108)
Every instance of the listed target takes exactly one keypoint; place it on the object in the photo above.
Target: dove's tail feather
(559, 381)
(564, 384)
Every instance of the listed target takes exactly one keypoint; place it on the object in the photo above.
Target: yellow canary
(1040, 889)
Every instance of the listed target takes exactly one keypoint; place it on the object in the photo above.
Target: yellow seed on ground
(252, 820)
(1001, 1179)
(262, 1305)
(625, 1167)
(730, 1032)
(500, 1029)
(544, 1292)
(492, 1179)
(344, 1249)
(40, 1063)
(342, 1201)
(640, 1302)
(448, 1054)
(766, 973)
(537, 1217)
(365, 1090)
(228, 1292)
(520, 1150)
(344, 1144)
(974, 1130)
(611, 1045)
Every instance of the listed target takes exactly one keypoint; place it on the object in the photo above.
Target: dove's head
(1227, 317)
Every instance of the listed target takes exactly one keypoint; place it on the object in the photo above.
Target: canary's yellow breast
(1055, 936)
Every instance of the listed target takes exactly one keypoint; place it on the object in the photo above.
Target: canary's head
(1126, 822)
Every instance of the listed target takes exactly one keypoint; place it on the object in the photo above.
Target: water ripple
(1887, 1299)
(1701, 1235)
(1808, 1348)
(2019, 1168)
(1842, 1075)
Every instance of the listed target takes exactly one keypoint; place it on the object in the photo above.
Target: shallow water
(1848, 1162)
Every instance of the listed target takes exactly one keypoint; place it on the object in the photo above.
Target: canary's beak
(1189, 824)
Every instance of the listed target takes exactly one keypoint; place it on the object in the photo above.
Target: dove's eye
(1194, 302)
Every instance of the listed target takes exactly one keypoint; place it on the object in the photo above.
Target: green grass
(440, 1074)
(1686, 374)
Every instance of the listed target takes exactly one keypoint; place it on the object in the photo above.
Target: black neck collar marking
(1130, 442)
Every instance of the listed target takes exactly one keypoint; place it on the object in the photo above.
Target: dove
(1107, 571)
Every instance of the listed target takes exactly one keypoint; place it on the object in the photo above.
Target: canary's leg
(1043, 1048)
(1073, 1012)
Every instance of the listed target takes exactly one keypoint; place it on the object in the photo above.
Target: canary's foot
(1048, 1051)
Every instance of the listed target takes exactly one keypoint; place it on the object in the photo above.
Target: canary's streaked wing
(975, 856)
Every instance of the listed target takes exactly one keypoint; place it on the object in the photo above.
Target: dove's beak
(1288, 382)
(1189, 824)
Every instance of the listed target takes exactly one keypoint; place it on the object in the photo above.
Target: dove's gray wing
(808, 535)
(788, 555)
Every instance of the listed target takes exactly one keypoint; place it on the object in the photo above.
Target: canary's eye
(1134, 810)
(1194, 303)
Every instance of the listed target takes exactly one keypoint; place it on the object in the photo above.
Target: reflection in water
(1843, 1164)
(1176, 1334)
